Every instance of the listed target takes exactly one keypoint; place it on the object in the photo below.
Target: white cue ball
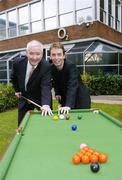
(61, 116)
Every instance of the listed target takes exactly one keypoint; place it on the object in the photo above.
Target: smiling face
(57, 57)
(34, 53)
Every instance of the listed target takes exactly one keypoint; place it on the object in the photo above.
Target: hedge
(100, 85)
(103, 84)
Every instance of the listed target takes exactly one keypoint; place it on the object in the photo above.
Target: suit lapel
(23, 74)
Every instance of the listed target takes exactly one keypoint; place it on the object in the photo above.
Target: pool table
(43, 149)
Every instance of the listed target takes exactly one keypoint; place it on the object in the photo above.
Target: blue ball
(74, 127)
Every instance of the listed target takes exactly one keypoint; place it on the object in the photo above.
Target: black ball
(94, 167)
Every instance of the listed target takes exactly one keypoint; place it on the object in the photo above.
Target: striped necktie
(31, 72)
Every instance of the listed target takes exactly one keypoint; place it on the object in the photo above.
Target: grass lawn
(8, 122)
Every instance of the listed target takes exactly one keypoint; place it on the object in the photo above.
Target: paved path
(108, 99)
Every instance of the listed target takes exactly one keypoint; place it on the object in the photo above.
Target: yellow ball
(55, 117)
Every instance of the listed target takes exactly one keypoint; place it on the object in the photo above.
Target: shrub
(7, 97)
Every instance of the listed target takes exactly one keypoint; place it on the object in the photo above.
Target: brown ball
(67, 117)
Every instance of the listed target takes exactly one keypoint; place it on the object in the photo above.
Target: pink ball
(82, 146)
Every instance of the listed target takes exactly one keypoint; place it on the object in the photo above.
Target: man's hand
(18, 94)
(64, 110)
(46, 110)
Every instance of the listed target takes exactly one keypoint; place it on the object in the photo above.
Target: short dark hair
(57, 45)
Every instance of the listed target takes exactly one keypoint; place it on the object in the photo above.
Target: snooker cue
(32, 102)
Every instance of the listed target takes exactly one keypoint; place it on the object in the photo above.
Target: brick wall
(75, 32)
(7, 4)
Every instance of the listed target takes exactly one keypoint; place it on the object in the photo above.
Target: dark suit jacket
(39, 84)
(67, 83)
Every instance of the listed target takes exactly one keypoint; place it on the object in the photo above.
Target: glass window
(92, 59)
(23, 15)
(50, 11)
(102, 11)
(23, 20)
(120, 64)
(84, 10)
(12, 18)
(75, 58)
(12, 23)
(120, 57)
(2, 21)
(50, 23)
(66, 19)
(23, 29)
(80, 4)
(84, 15)
(50, 8)
(110, 17)
(36, 26)
(102, 4)
(3, 74)
(2, 26)
(117, 22)
(94, 70)
(36, 7)
(99, 58)
(10, 64)
(65, 7)
(3, 65)
(36, 23)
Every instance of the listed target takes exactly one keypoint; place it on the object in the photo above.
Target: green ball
(79, 117)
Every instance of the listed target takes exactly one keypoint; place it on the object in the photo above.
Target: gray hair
(34, 43)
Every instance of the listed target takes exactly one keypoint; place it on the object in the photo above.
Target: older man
(31, 77)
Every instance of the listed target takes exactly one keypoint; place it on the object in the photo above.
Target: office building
(91, 31)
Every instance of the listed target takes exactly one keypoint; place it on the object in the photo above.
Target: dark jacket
(39, 84)
(68, 83)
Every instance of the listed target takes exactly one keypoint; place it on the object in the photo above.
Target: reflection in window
(91, 58)
(12, 22)
(2, 26)
(84, 15)
(12, 18)
(23, 20)
(23, 29)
